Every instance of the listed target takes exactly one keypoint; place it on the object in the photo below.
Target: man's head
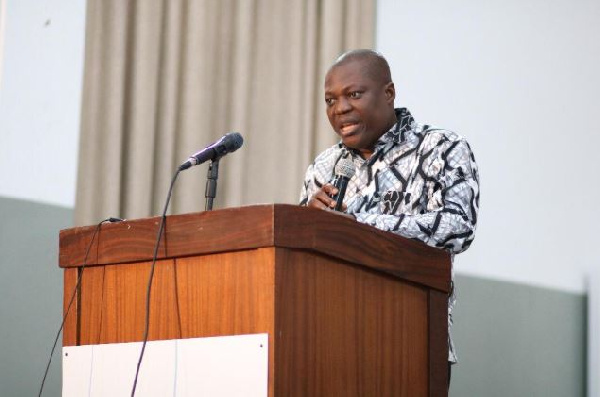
(359, 94)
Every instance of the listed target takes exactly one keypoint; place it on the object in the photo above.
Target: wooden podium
(349, 310)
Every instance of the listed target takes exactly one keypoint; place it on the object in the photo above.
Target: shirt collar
(398, 133)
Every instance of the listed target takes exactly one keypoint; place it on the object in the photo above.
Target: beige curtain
(164, 78)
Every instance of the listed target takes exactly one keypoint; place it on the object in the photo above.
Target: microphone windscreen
(345, 168)
(233, 141)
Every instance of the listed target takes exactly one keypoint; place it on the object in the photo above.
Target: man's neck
(368, 152)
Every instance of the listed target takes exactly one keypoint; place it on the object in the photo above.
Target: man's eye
(355, 94)
(329, 101)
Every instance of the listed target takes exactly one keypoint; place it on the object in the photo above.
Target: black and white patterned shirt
(421, 182)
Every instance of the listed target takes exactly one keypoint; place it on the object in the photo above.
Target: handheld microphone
(228, 143)
(344, 171)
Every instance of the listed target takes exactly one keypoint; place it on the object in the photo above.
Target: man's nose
(342, 106)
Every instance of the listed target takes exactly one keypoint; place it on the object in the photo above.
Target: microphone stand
(211, 184)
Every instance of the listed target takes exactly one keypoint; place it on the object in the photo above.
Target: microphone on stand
(228, 143)
(344, 171)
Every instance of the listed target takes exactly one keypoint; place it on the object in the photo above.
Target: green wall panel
(512, 339)
(518, 340)
(30, 295)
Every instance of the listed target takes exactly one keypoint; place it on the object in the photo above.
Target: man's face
(359, 108)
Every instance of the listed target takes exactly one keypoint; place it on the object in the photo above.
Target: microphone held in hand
(228, 143)
(344, 171)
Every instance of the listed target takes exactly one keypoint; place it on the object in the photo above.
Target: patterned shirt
(421, 182)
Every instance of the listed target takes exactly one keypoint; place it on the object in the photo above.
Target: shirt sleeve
(307, 186)
(452, 224)
(319, 172)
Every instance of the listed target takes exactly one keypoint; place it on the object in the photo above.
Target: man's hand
(322, 198)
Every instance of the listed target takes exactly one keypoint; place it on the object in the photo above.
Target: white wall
(520, 81)
(2, 16)
(40, 99)
(40, 90)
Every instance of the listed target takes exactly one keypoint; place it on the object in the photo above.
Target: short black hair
(375, 66)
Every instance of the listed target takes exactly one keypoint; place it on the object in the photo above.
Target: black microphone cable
(75, 289)
(237, 140)
(150, 277)
(227, 144)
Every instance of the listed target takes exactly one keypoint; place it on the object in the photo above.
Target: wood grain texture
(438, 344)
(70, 325)
(258, 227)
(350, 241)
(229, 294)
(344, 328)
(348, 309)
(211, 295)
(185, 235)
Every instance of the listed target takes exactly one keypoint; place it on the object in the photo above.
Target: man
(412, 179)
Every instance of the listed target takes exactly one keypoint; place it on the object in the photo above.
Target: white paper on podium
(219, 366)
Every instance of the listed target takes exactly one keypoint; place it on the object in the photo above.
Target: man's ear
(390, 92)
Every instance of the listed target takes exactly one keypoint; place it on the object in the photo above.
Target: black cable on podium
(73, 294)
(228, 143)
(151, 276)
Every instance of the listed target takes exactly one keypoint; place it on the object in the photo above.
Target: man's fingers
(329, 189)
(322, 198)
(315, 203)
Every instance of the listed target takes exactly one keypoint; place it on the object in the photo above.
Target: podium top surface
(259, 226)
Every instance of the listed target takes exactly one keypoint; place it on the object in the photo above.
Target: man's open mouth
(349, 128)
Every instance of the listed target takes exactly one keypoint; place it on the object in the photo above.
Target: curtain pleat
(165, 78)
